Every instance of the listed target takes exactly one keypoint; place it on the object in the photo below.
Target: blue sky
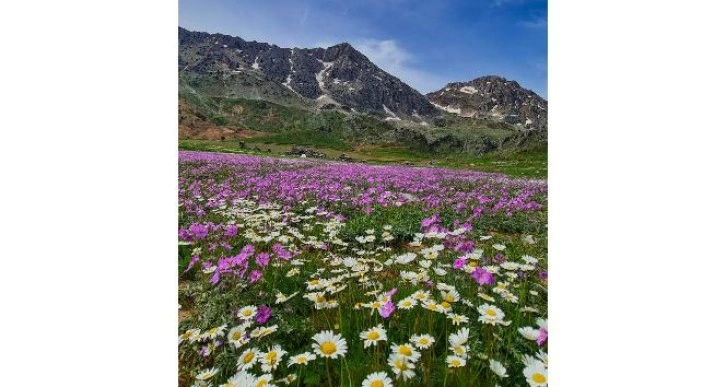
(425, 43)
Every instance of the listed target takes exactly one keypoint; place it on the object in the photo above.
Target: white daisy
(407, 303)
(329, 345)
(215, 332)
(236, 336)
(455, 361)
(301, 359)
(490, 314)
(247, 313)
(401, 366)
(373, 336)
(207, 374)
(406, 350)
(378, 379)
(498, 368)
(457, 319)
(536, 375)
(271, 359)
(459, 338)
(530, 259)
(422, 341)
(247, 359)
(529, 333)
(190, 334)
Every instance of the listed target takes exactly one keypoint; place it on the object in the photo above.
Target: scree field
(318, 273)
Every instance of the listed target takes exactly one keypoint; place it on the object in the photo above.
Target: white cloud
(394, 59)
(536, 23)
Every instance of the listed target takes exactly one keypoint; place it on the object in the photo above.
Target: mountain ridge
(338, 75)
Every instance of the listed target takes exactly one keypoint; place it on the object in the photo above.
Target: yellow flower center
(249, 357)
(445, 305)
(247, 313)
(538, 377)
(376, 305)
(491, 312)
(319, 299)
(328, 348)
(407, 303)
(236, 335)
(373, 335)
(377, 383)
(431, 306)
(449, 298)
(400, 364)
(302, 360)
(472, 263)
(423, 341)
(405, 350)
(272, 357)
(261, 383)
(459, 350)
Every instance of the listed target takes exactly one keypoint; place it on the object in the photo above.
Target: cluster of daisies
(358, 275)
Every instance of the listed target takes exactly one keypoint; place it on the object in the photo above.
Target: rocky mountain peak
(493, 97)
(339, 75)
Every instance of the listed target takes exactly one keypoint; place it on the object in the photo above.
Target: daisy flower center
(248, 357)
(236, 335)
(328, 348)
(538, 377)
(272, 357)
(377, 383)
(491, 312)
(247, 313)
(423, 341)
(373, 335)
(405, 350)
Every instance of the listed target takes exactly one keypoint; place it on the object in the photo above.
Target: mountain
(495, 98)
(338, 77)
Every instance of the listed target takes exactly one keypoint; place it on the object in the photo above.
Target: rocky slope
(496, 98)
(338, 76)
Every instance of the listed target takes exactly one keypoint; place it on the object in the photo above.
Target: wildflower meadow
(316, 273)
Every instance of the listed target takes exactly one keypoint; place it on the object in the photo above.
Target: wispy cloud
(394, 59)
(540, 22)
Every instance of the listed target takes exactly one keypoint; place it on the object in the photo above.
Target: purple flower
(198, 231)
(263, 259)
(464, 247)
(543, 275)
(459, 263)
(281, 251)
(387, 309)
(263, 314)
(215, 277)
(255, 276)
(193, 262)
(230, 231)
(391, 292)
(482, 276)
(426, 222)
(542, 336)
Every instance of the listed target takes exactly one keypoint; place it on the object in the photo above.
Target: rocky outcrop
(495, 98)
